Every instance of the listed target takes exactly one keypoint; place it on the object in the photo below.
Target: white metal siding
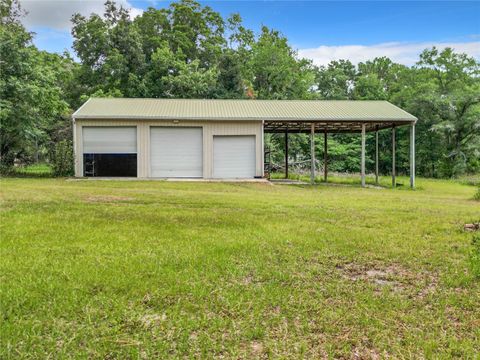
(210, 130)
(233, 157)
(176, 152)
(109, 140)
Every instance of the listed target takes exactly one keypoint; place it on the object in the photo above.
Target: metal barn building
(212, 139)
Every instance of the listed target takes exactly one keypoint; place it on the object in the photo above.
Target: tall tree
(455, 84)
(274, 70)
(336, 80)
(197, 31)
(111, 52)
(31, 100)
(170, 76)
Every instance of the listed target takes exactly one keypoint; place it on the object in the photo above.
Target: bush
(477, 195)
(475, 256)
(6, 164)
(6, 170)
(62, 158)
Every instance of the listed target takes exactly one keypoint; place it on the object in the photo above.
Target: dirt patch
(252, 350)
(247, 280)
(150, 320)
(395, 277)
(471, 227)
(361, 353)
(257, 348)
(276, 310)
(107, 199)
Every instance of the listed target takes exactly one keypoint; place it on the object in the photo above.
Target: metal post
(312, 153)
(363, 155)
(412, 156)
(394, 180)
(286, 153)
(263, 149)
(325, 156)
(376, 155)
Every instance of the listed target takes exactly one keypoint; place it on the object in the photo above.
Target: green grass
(151, 269)
(348, 179)
(473, 179)
(477, 194)
(34, 170)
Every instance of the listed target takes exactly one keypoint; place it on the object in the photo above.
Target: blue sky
(320, 30)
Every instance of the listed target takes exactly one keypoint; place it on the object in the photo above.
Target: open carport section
(222, 139)
(334, 127)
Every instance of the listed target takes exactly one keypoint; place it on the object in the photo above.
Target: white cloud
(56, 14)
(403, 53)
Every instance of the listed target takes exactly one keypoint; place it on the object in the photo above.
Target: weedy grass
(347, 179)
(473, 179)
(41, 170)
(477, 194)
(153, 269)
(475, 255)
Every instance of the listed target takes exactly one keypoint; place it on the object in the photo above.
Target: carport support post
(325, 156)
(376, 155)
(286, 153)
(363, 155)
(312, 154)
(394, 180)
(412, 156)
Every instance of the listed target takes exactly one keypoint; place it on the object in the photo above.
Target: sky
(318, 30)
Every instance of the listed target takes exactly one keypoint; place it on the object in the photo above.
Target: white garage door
(176, 152)
(109, 140)
(233, 157)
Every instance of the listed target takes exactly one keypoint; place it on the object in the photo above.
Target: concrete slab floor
(265, 181)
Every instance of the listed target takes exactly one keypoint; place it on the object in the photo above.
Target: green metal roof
(268, 110)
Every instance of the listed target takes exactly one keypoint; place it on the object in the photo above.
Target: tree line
(190, 51)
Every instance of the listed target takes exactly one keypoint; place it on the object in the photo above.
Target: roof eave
(209, 118)
(74, 115)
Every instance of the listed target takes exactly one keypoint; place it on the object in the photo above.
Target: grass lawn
(151, 269)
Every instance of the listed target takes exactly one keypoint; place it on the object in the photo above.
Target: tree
(336, 80)
(455, 86)
(111, 52)
(30, 96)
(274, 70)
(197, 31)
(170, 76)
(231, 83)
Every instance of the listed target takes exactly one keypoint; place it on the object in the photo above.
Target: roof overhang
(336, 126)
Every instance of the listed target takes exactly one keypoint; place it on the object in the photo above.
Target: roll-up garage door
(109, 140)
(233, 157)
(176, 152)
(109, 151)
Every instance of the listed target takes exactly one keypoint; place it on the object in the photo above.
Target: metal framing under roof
(329, 127)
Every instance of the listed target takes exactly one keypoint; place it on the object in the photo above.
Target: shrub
(477, 195)
(475, 256)
(62, 158)
(6, 170)
(6, 164)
